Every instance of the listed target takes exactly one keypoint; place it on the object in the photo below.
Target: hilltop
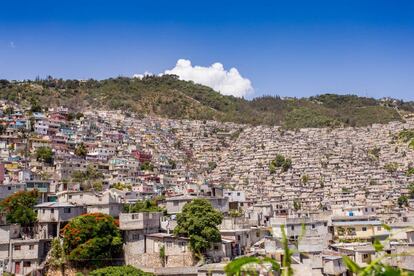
(167, 96)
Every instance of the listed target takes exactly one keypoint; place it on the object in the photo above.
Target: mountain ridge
(167, 96)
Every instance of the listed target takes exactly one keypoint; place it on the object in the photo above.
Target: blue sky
(288, 48)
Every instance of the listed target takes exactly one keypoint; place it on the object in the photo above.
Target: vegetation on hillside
(280, 162)
(125, 270)
(167, 96)
(143, 206)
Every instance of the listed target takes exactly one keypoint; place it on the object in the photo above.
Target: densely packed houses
(342, 185)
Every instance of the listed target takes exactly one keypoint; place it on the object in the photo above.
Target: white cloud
(140, 76)
(215, 76)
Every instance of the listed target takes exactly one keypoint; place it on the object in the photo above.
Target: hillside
(166, 96)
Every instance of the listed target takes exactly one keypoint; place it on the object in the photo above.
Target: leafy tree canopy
(19, 207)
(92, 238)
(81, 150)
(198, 221)
(44, 154)
(143, 206)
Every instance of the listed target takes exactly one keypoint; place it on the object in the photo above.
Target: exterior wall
(175, 206)
(172, 246)
(177, 253)
(88, 198)
(8, 232)
(315, 235)
(293, 227)
(362, 231)
(153, 260)
(334, 267)
(243, 238)
(29, 249)
(235, 196)
(108, 209)
(4, 251)
(41, 186)
(59, 214)
(6, 190)
(25, 267)
(146, 220)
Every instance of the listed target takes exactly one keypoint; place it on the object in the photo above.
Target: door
(17, 268)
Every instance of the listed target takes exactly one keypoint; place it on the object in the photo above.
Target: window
(313, 226)
(238, 194)
(175, 203)
(379, 228)
(292, 227)
(325, 224)
(52, 210)
(70, 197)
(27, 264)
(9, 188)
(17, 247)
(31, 247)
(66, 210)
(216, 247)
(364, 229)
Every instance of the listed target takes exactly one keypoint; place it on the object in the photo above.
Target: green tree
(147, 166)
(411, 188)
(57, 255)
(125, 270)
(402, 201)
(198, 221)
(410, 171)
(305, 179)
(18, 207)
(44, 154)
(143, 206)
(287, 165)
(81, 150)
(391, 167)
(79, 115)
(122, 186)
(279, 160)
(296, 204)
(92, 239)
(36, 107)
(89, 179)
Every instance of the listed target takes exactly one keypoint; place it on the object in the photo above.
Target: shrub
(126, 270)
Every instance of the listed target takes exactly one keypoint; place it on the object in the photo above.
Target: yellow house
(360, 227)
